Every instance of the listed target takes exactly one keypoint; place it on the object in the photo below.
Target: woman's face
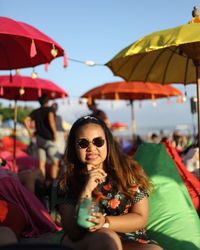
(91, 146)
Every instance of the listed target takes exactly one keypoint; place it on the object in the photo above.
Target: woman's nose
(90, 146)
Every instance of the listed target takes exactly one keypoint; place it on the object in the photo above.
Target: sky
(98, 30)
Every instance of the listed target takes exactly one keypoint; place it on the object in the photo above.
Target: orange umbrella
(131, 91)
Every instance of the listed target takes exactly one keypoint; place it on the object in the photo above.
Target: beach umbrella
(25, 88)
(119, 126)
(166, 56)
(131, 91)
(22, 46)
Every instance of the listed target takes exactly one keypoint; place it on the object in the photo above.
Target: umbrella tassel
(89, 100)
(33, 51)
(39, 92)
(65, 61)
(117, 96)
(168, 100)
(154, 100)
(46, 66)
(1, 91)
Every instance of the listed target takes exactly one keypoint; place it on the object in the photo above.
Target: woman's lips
(91, 156)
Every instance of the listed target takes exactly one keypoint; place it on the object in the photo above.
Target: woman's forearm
(127, 223)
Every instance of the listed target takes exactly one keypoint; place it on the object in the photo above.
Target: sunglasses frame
(93, 142)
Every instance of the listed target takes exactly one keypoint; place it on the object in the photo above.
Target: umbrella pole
(14, 135)
(198, 105)
(133, 125)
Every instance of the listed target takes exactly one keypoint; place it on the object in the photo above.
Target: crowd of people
(100, 196)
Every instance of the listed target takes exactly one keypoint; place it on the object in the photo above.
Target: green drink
(86, 208)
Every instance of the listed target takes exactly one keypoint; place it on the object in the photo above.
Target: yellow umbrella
(166, 56)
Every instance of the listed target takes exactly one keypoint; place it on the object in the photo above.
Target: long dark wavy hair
(121, 168)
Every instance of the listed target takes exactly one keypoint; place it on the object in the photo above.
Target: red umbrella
(131, 91)
(118, 126)
(24, 88)
(22, 46)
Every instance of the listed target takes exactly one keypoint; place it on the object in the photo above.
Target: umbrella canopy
(131, 91)
(22, 45)
(24, 88)
(119, 126)
(166, 56)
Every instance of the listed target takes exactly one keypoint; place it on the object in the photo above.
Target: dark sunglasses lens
(83, 143)
(99, 142)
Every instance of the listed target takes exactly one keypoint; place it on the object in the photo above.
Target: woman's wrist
(106, 223)
(85, 194)
(84, 197)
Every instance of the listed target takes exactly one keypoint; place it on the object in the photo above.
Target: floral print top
(115, 203)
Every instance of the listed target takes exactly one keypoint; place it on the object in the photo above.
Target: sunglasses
(84, 143)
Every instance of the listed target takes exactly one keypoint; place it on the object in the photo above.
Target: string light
(90, 63)
(154, 103)
(21, 91)
(54, 52)
(34, 74)
(17, 72)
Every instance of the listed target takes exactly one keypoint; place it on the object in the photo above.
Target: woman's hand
(95, 175)
(98, 219)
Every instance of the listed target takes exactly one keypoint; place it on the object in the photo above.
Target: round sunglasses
(84, 143)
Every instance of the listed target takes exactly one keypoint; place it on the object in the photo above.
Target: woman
(97, 169)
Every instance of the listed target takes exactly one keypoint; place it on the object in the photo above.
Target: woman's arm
(134, 220)
(68, 220)
(95, 175)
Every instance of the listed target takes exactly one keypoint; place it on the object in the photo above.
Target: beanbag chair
(173, 220)
(191, 182)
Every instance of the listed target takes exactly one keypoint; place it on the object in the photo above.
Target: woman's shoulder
(140, 194)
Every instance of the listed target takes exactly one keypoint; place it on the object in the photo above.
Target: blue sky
(97, 30)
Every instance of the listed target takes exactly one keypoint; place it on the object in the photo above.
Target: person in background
(179, 141)
(45, 132)
(98, 113)
(154, 138)
(98, 170)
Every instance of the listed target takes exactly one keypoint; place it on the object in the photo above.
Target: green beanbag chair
(173, 220)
